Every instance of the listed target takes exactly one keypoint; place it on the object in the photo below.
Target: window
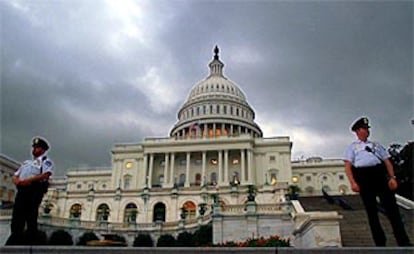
(162, 163)
(128, 165)
(161, 179)
(213, 178)
(308, 178)
(272, 158)
(198, 161)
(102, 213)
(198, 179)
(159, 212)
(130, 213)
(218, 109)
(75, 211)
(235, 178)
(235, 161)
(341, 177)
(183, 162)
(181, 180)
(127, 182)
(273, 178)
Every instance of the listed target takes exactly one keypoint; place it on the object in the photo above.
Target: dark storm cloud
(88, 74)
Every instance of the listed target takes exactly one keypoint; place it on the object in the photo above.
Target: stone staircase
(355, 231)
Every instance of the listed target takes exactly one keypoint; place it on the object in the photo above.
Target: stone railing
(121, 226)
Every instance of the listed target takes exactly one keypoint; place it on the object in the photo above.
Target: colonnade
(209, 130)
(221, 168)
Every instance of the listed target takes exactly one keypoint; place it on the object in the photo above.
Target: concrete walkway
(188, 250)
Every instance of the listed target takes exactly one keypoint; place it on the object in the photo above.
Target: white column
(187, 171)
(214, 130)
(165, 183)
(151, 164)
(220, 166)
(145, 171)
(243, 179)
(172, 169)
(226, 166)
(231, 129)
(203, 166)
(250, 177)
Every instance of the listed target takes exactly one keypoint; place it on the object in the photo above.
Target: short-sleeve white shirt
(357, 154)
(34, 167)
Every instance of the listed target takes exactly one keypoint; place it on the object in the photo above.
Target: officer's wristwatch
(392, 177)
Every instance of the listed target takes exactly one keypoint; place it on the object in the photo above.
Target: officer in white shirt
(371, 173)
(31, 180)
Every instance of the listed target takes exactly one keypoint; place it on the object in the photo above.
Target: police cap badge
(37, 141)
(363, 122)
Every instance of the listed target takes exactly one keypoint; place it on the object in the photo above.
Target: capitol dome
(215, 107)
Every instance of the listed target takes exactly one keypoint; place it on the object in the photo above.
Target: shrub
(143, 240)
(60, 237)
(204, 235)
(166, 241)
(185, 239)
(272, 241)
(41, 238)
(86, 237)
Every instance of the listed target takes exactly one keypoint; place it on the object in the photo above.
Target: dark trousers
(373, 182)
(25, 213)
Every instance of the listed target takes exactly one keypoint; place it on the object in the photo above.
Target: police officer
(370, 172)
(31, 181)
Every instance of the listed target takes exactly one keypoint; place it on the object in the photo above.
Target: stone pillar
(172, 169)
(214, 130)
(203, 168)
(151, 164)
(144, 177)
(243, 170)
(226, 166)
(166, 183)
(187, 171)
(220, 167)
(250, 166)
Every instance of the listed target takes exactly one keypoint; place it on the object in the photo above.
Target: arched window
(159, 212)
(75, 211)
(102, 213)
(190, 207)
(130, 213)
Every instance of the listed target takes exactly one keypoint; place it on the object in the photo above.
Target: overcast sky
(89, 74)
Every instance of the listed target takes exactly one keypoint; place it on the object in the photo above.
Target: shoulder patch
(48, 163)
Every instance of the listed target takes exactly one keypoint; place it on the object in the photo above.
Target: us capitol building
(214, 156)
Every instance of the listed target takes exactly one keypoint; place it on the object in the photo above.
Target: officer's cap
(362, 122)
(38, 141)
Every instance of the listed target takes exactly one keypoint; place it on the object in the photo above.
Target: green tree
(60, 237)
